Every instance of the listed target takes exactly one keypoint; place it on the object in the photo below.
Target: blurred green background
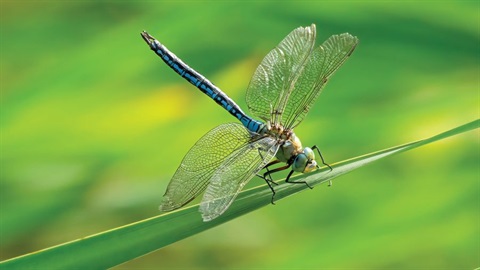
(93, 125)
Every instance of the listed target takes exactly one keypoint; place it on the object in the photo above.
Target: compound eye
(300, 163)
(309, 153)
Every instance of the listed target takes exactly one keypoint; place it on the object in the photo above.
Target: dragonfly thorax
(289, 144)
(290, 147)
(291, 150)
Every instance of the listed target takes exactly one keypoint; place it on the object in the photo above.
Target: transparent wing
(200, 163)
(321, 64)
(277, 73)
(233, 174)
(291, 76)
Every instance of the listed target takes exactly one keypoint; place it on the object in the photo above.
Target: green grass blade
(122, 244)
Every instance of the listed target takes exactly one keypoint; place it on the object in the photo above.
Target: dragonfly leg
(321, 157)
(270, 179)
(269, 183)
(271, 188)
(296, 182)
(269, 174)
(323, 162)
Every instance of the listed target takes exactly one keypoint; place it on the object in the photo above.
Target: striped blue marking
(203, 84)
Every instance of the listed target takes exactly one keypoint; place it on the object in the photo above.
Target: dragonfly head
(305, 161)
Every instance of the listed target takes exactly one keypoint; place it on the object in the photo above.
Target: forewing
(233, 174)
(321, 64)
(200, 163)
(277, 73)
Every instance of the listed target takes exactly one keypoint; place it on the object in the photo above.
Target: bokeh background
(93, 125)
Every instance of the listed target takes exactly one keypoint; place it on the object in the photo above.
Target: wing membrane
(200, 163)
(321, 64)
(270, 84)
(289, 79)
(233, 174)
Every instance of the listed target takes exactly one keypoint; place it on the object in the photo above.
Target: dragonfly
(280, 94)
